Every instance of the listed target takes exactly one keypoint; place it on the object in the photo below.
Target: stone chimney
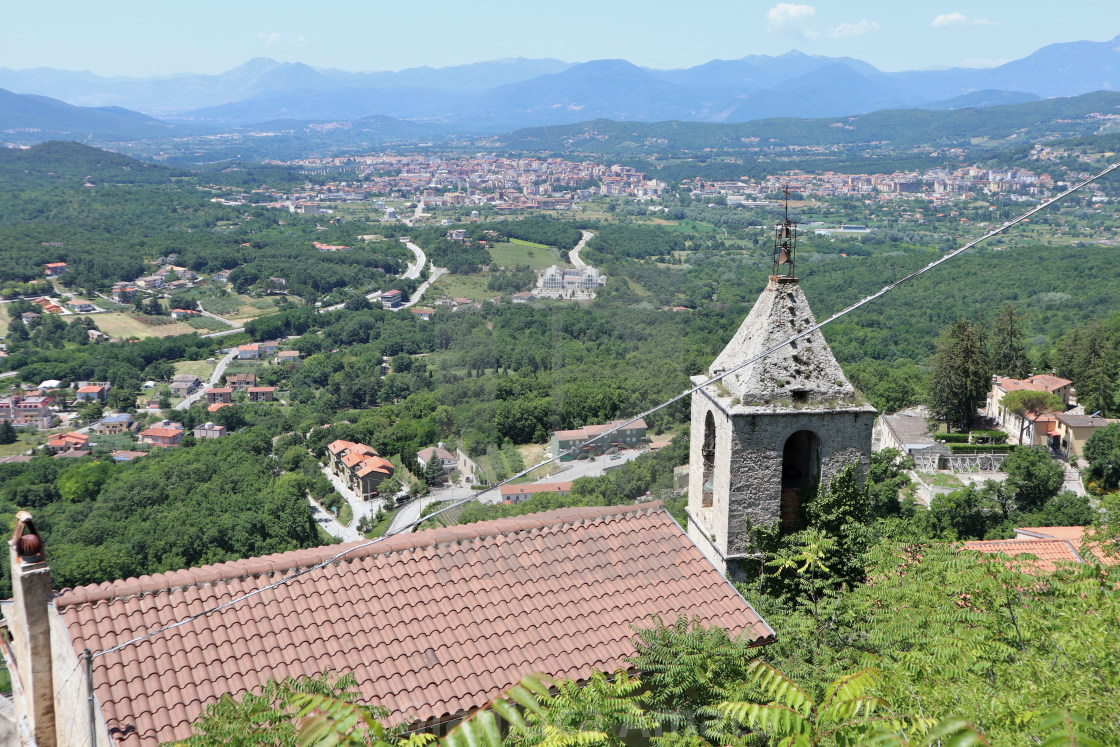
(29, 625)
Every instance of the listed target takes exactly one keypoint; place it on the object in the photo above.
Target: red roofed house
(262, 393)
(1034, 434)
(1049, 545)
(163, 434)
(218, 405)
(248, 352)
(92, 393)
(241, 381)
(223, 394)
(359, 466)
(432, 625)
(68, 442)
(54, 269)
(519, 493)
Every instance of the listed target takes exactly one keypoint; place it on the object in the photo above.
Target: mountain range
(503, 95)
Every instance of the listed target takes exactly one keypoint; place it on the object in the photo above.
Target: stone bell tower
(765, 435)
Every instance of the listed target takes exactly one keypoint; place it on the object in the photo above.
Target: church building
(766, 435)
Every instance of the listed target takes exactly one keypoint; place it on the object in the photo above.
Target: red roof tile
(431, 624)
(1048, 551)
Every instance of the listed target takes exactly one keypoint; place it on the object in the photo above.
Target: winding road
(214, 379)
(574, 254)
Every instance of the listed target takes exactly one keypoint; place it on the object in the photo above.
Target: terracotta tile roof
(339, 445)
(432, 624)
(1048, 551)
(375, 464)
(1042, 383)
(162, 432)
(1061, 533)
(218, 405)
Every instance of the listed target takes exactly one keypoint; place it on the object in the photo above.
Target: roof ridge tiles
(295, 559)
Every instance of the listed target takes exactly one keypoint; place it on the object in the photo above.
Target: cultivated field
(126, 325)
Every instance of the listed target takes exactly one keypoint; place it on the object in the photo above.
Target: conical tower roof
(802, 372)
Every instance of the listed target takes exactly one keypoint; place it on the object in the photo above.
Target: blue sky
(157, 37)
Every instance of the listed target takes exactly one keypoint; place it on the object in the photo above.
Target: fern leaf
(1066, 728)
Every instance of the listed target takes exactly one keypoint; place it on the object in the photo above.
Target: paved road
(330, 524)
(204, 312)
(8, 374)
(214, 379)
(225, 332)
(413, 271)
(437, 272)
(574, 254)
(410, 512)
(357, 505)
(416, 215)
(592, 467)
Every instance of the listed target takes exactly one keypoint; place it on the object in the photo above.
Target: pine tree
(433, 471)
(961, 375)
(8, 433)
(1009, 357)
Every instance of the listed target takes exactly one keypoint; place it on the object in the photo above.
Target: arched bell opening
(801, 469)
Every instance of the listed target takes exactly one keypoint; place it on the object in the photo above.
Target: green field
(126, 325)
(519, 252)
(462, 286)
(531, 244)
(201, 369)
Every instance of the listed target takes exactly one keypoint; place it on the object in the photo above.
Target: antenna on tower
(785, 242)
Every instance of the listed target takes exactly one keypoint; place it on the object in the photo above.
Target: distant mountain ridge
(501, 95)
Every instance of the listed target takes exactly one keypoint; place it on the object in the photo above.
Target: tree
(433, 471)
(1009, 356)
(849, 713)
(1102, 450)
(1033, 477)
(1026, 404)
(8, 433)
(961, 375)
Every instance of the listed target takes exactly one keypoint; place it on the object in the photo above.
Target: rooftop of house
(1049, 545)
(426, 454)
(1085, 421)
(590, 431)
(432, 625)
(537, 487)
(1040, 383)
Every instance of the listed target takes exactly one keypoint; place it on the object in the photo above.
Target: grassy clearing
(24, 442)
(536, 256)
(380, 527)
(345, 515)
(531, 244)
(4, 318)
(941, 480)
(462, 286)
(207, 324)
(126, 325)
(201, 369)
(252, 308)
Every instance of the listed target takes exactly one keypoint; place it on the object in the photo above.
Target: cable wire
(620, 425)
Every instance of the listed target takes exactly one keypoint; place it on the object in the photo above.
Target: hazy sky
(159, 37)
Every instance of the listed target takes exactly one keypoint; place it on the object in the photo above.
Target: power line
(620, 425)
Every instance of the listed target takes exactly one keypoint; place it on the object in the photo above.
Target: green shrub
(980, 448)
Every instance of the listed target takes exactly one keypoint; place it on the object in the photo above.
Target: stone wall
(747, 481)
